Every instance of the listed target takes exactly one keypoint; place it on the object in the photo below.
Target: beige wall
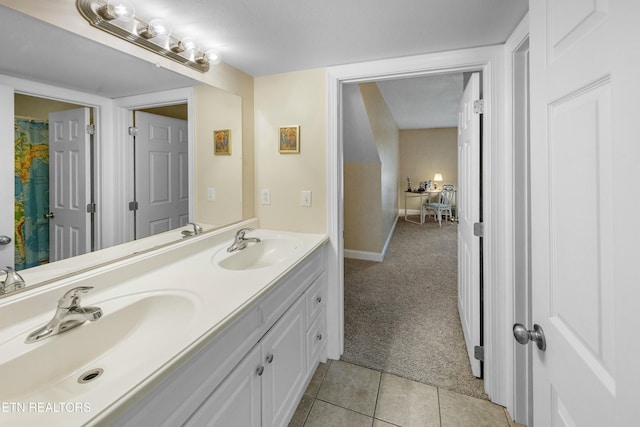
(179, 111)
(370, 199)
(64, 14)
(423, 152)
(362, 211)
(386, 137)
(39, 108)
(297, 98)
(217, 109)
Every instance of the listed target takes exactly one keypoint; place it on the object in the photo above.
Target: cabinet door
(284, 356)
(236, 402)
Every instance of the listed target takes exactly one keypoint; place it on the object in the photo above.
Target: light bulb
(189, 44)
(214, 56)
(160, 27)
(155, 28)
(121, 10)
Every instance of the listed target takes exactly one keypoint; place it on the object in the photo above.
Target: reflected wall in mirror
(219, 178)
(90, 74)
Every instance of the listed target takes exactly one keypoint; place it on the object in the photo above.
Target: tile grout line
(375, 407)
(315, 395)
(439, 409)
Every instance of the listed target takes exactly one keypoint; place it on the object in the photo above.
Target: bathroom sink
(268, 252)
(105, 350)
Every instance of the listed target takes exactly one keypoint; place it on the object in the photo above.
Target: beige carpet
(401, 315)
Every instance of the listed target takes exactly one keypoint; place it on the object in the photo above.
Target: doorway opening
(381, 142)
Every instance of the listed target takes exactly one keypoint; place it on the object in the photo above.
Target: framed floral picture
(289, 139)
(222, 141)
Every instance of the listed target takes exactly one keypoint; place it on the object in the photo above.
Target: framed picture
(222, 141)
(289, 139)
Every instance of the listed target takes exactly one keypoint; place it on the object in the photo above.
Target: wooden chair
(446, 199)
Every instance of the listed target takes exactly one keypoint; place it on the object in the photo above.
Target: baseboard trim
(372, 256)
(362, 255)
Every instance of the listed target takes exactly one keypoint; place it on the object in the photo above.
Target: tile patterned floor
(343, 394)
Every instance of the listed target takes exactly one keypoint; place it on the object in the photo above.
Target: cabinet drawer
(316, 297)
(316, 339)
(292, 286)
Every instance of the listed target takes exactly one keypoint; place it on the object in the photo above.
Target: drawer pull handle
(319, 337)
(269, 358)
(319, 299)
(260, 370)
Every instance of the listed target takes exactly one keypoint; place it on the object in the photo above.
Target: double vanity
(193, 333)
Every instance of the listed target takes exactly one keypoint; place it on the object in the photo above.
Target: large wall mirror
(53, 81)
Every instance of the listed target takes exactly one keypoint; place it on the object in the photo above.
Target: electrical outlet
(265, 196)
(305, 198)
(211, 194)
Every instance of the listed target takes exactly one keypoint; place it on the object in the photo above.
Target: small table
(421, 195)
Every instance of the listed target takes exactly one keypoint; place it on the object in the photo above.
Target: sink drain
(90, 375)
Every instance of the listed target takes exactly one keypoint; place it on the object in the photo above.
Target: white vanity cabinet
(263, 389)
(253, 371)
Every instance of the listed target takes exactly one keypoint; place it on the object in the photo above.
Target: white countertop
(196, 300)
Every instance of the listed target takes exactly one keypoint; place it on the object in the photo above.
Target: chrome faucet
(240, 241)
(69, 314)
(12, 282)
(197, 229)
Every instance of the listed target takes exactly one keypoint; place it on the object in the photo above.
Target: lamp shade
(437, 177)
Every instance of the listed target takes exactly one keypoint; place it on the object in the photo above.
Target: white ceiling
(264, 37)
(424, 102)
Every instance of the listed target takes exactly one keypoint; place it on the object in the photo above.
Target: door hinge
(478, 106)
(133, 206)
(478, 353)
(91, 208)
(91, 129)
(478, 229)
(133, 131)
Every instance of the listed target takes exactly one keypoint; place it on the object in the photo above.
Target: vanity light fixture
(117, 17)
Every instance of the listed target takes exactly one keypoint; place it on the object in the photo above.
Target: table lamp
(436, 179)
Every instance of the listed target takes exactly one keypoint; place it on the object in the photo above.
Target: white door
(162, 173)
(7, 168)
(69, 184)
(468, 207)
(585, 162)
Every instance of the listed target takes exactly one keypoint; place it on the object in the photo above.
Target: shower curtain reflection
(31, 192)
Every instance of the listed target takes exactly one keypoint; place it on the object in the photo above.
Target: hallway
(401, 315)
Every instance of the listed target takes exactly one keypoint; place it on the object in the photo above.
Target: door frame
(496, 210)
(123, 119)
(101, 117)
(519, 361)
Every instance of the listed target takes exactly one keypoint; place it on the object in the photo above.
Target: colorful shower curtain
(32, 193)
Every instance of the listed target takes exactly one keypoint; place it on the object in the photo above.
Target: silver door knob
(49, 215)
(523, 336)
(5, 240)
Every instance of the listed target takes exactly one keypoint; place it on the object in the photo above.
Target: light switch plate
(211, 194)
(265, 196)
(305, 198)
